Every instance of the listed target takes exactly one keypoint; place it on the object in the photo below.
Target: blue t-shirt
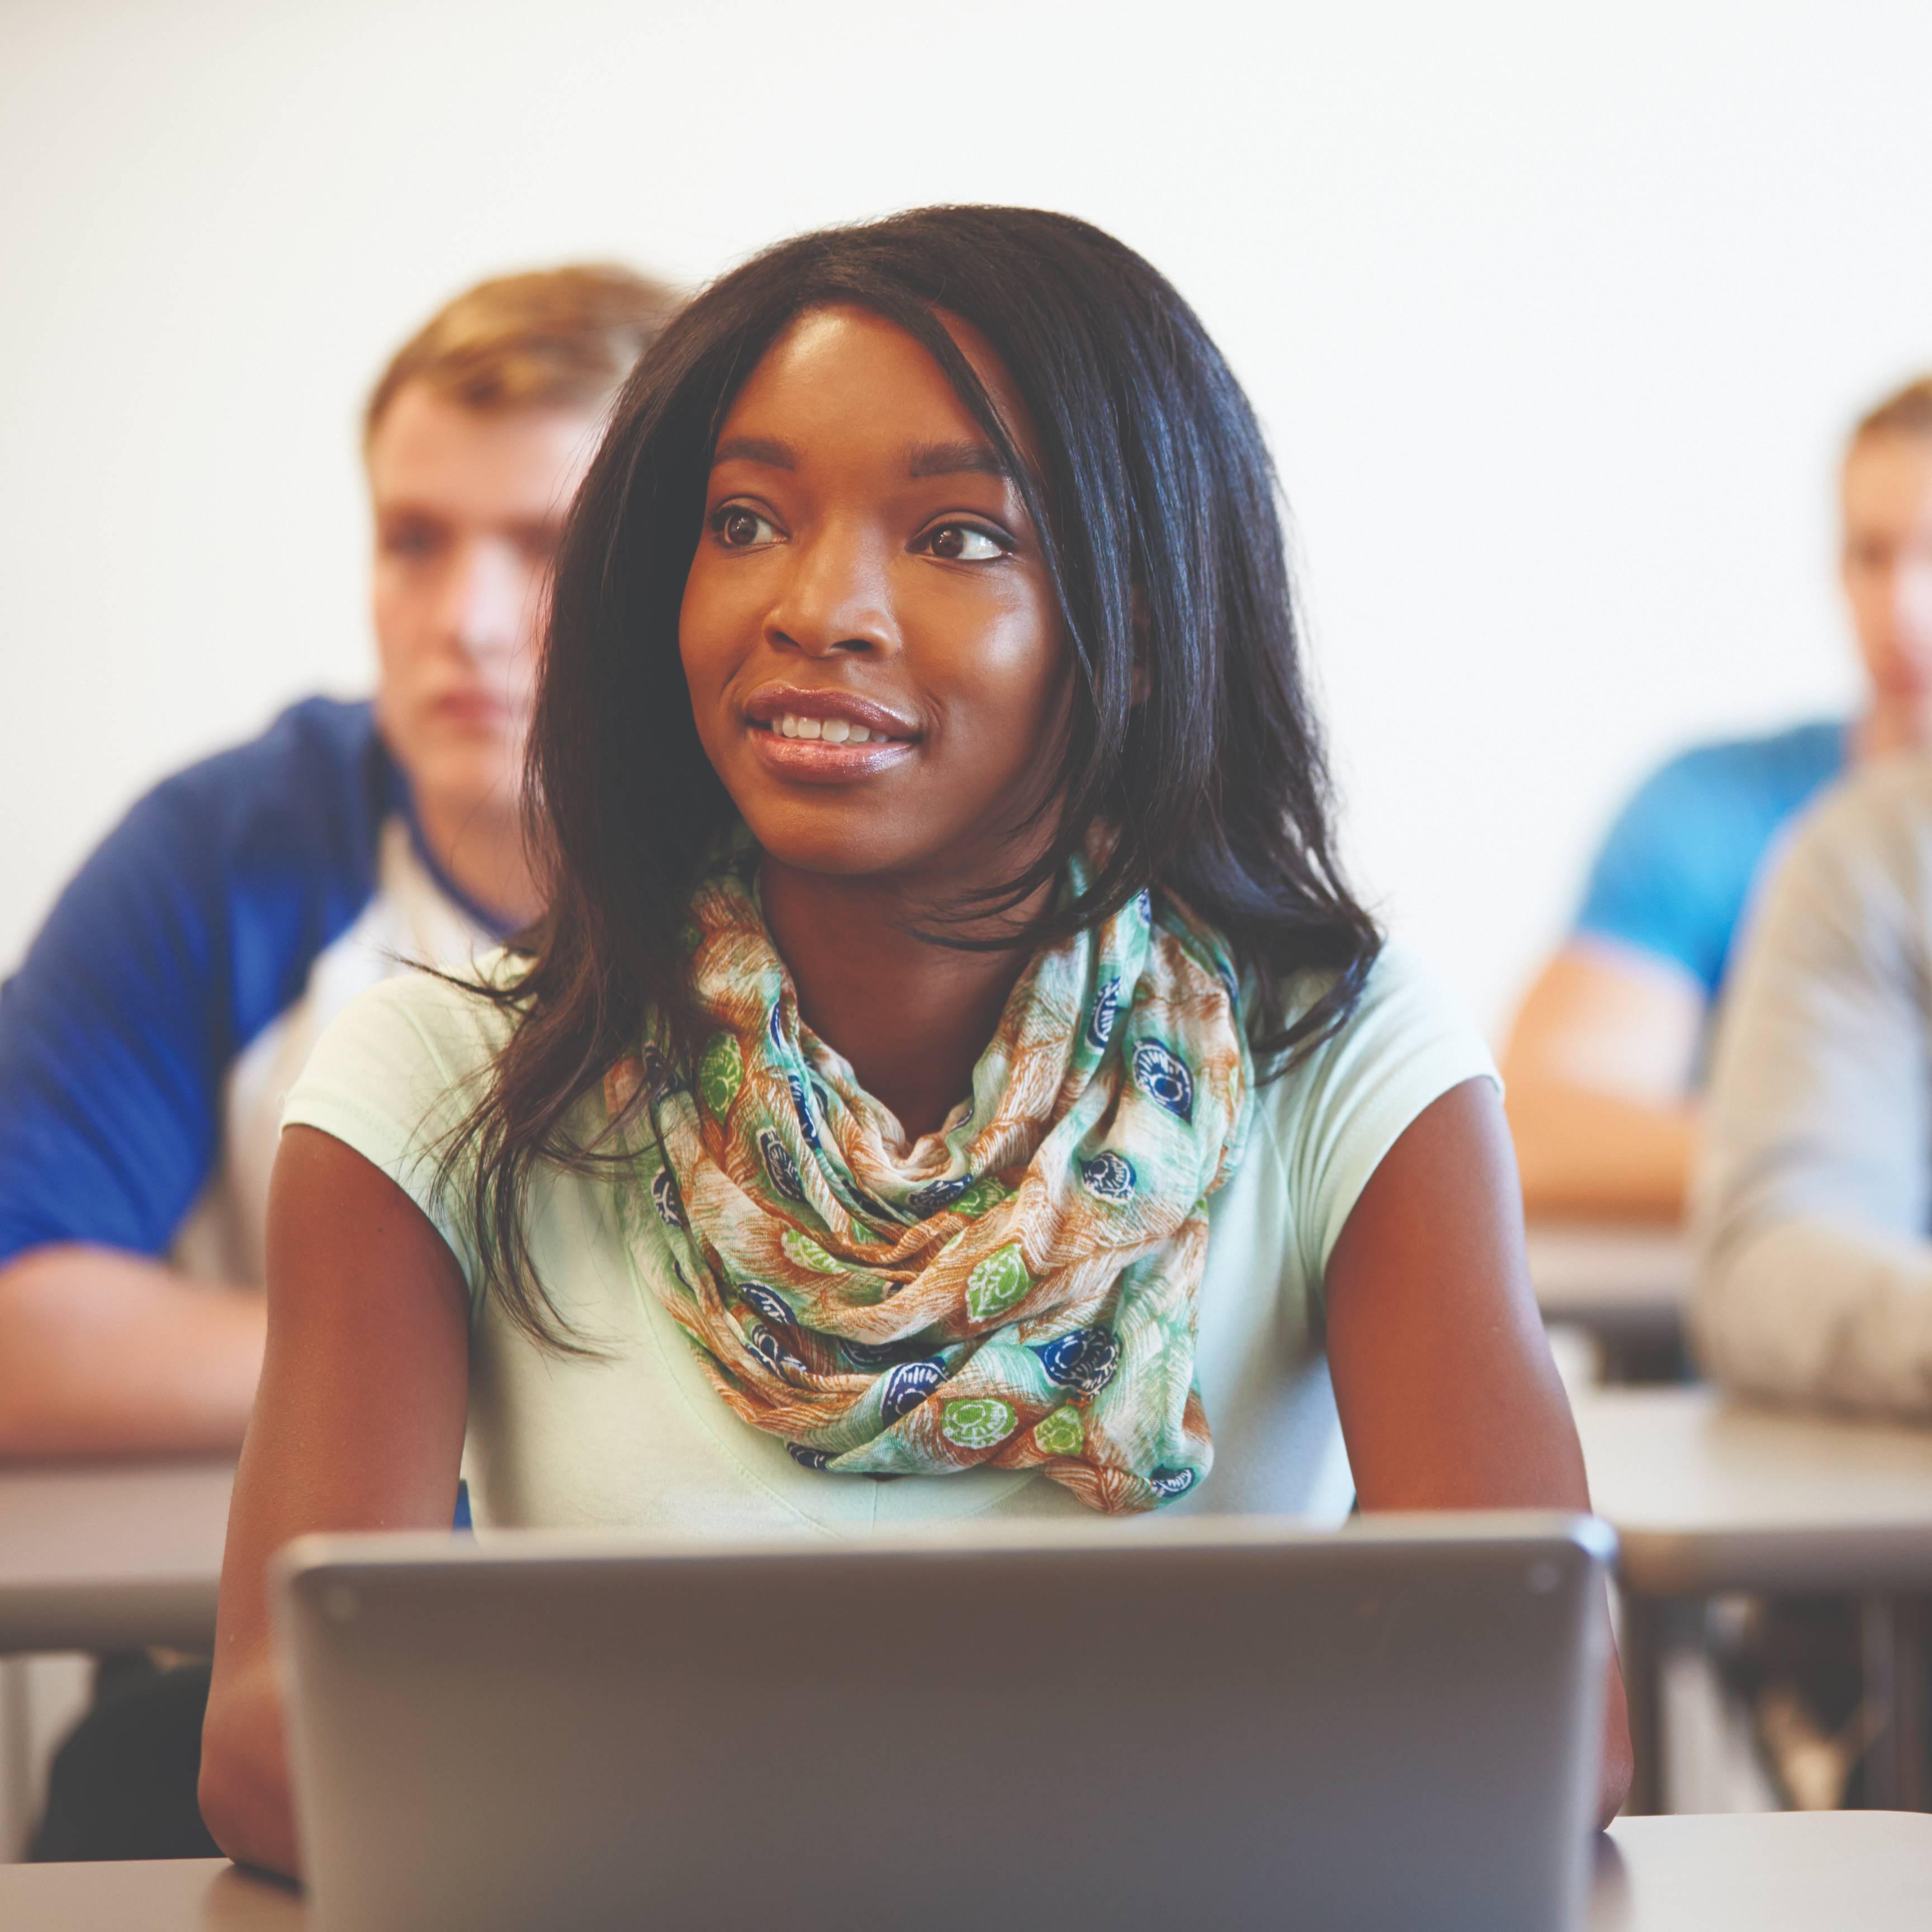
(1674, 875)
(170, 999)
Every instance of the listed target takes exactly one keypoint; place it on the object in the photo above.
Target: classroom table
(101, 1556)
(111, 1556)
(1789, 1872)
(1709, 1496)
(1624, 1283)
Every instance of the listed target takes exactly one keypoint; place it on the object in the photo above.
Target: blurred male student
(1602, 1062)
(173, 995)
(1812, 1210)
(1814, 1202)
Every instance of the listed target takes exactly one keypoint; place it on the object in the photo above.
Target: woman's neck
(911, 1017)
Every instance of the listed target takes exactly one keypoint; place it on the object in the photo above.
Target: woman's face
(873, 650)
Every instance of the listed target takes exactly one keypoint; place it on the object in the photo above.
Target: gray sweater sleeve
(1811, 1207)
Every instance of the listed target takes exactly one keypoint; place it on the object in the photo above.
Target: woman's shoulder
(404, 1054)
(454, 1019)
(1338, 1106)
(1402, 1016)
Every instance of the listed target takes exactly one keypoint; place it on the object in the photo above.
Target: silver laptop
(1197, 1723)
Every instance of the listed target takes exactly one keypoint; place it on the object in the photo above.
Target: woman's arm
(358, 1424)
(1447, 1396)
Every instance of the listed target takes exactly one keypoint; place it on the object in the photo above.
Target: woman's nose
(836, 597)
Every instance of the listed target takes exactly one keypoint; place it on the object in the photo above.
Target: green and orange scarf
(1020, 1288)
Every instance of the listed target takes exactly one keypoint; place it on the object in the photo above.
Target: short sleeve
(1337, 1112)
(188, 929)
(1673, 875)
(395, 1075)
(113, 1037)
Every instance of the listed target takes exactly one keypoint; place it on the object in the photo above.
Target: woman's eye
(961, 543)
(738, 528)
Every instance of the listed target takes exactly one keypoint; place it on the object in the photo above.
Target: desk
(1798, 1872)
(1709, 1495)
(1793, 1871)
(1625, 1284)
(111, 1557)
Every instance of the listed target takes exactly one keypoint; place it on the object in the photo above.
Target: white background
(1556, 315)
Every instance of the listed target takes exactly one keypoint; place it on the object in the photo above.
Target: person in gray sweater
(1812, 1206)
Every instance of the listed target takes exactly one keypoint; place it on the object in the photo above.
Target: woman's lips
(820, 761)
(818, 735)
(804, 710)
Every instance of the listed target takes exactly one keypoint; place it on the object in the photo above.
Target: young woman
(950, 1055)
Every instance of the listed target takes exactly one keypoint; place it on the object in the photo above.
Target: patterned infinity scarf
(1019, 1288)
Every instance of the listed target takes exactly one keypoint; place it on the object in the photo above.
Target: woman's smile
(826, 737)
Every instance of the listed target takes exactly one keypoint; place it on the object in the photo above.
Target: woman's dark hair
(1191, 732)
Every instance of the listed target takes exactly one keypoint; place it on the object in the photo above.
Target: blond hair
(1905, 412)
(557, 338)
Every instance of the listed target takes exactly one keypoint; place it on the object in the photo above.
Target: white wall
(1555, 314)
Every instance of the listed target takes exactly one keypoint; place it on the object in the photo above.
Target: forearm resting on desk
(244, 1794)
(104, 1353)
(1813, 1310)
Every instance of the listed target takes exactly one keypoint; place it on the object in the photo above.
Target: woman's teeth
(833, 731)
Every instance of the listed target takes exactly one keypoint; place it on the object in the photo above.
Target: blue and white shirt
(1675, 876)
(171, 1000)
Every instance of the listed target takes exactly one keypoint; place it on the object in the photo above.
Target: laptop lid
(1199, 1722)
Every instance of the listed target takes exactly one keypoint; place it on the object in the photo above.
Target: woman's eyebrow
(954, 459)
(772, 453)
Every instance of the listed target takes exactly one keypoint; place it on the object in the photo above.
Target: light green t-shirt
(636, 1439)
